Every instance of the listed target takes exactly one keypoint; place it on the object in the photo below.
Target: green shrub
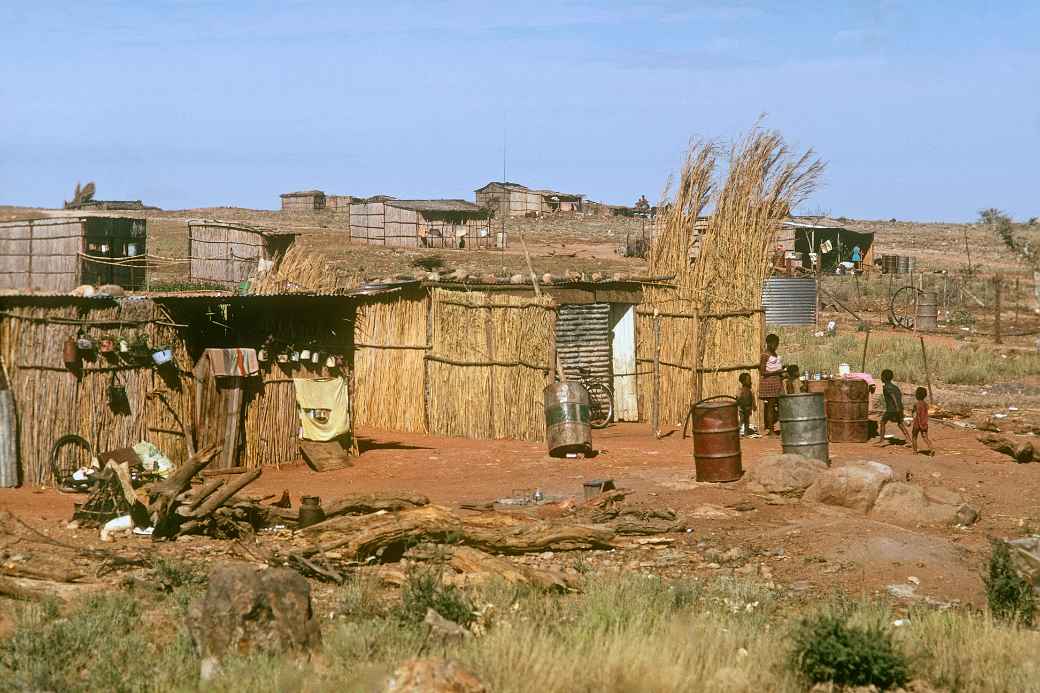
(424, 589)
(1010, 596)
(827, 649)
(171, 573)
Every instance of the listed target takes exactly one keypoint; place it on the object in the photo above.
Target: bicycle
(601, 398)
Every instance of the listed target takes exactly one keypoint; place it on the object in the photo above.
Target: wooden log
(225, 471)
(39, 590)
(476, 566)
(515, 534)
(367, 535)
(365, 503)
(226, 492)
(164, 494)
(39, 573)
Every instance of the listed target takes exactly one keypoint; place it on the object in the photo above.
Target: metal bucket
(716, 440)
(847, 406)
(927, 311)
(567, 426)
(803, 425)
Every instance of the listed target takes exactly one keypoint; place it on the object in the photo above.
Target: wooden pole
(967, 250)
(996, 315)
(927, 373)
(817, 290)
(863, 363)
(1015, 299)
(656, 414)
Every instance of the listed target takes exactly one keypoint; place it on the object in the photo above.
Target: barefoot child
(792, 383)
(745, 404)
(920, 425)
(770, 384)
(893, 406)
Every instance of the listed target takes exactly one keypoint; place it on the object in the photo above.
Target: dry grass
(301, 270)
(624, 633)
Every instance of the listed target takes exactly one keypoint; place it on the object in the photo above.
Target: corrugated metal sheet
(789, 300)
(583, 339)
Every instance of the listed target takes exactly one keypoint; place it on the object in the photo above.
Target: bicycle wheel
(601, 404)
(70, 453)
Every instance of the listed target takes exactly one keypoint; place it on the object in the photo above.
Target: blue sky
(923, 110)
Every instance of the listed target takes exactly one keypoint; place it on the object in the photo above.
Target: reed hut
(516, 200)
(57, 255)
(258, 418)
(229, 253)
(421, 224)
(338, 204)
(303, 201)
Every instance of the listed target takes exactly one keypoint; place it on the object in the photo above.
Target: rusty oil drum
(847, 406)
(803, 425)
(716, 440)
(817, 385)
(927, 317)
(567, 419)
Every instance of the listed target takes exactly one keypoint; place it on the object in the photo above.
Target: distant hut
(421, 223)
(59, 254)
(337, 204)
(229, 253)
(516, 200)
(303, 201)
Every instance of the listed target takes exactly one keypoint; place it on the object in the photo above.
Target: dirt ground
(807, 548)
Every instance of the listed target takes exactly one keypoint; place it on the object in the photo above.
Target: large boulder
(906, 504)
(433, 675)
(785, 475)
(248, 610)
(1025, 554)
(855, 485)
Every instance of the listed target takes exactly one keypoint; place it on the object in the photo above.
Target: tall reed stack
(711, 324)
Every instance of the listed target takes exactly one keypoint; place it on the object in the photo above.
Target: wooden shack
(421, 224)
(59, 254)
(516, 200)
(229, 253)
(303, 201)
(338, 204)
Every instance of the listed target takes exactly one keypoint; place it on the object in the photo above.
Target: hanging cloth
(324, 408)
(232, 363)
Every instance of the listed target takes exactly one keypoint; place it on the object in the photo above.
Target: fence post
(996, 317)
(656, 414)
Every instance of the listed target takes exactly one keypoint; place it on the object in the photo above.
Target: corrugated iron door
(789, 300)
(583, 339)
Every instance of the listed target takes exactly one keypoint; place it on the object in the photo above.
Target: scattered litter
(913, 580)
(900, 622)
(116, 525)
(901, 591)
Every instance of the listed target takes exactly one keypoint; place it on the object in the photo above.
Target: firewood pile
(471, 542)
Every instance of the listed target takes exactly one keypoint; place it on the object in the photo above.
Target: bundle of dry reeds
(488, 365)
(302, 271)
(390, 339)
(702, 355)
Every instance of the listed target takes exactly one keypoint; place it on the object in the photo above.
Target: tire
(64, 465)
(601, 405)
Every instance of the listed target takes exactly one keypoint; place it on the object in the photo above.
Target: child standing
(920, 425)
(770, 383)
(793, 384)
(745, 404)
(893, 405)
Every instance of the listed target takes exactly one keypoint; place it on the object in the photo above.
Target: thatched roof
(438, 206)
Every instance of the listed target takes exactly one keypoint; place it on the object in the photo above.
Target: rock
(967, 515)
(433, 675)
(444, 628)
(712, 512)
(516, 279)
(433, 277)
(547, 278)
(855, 485)
(458, 275)
(901, 591)
(1022, 452)
(1025, 554)
(735, 554)
(906, 504)
(489, 279)
(786, 475)
(113, 290)
(247, 610)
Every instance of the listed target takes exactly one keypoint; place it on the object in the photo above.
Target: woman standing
(770, 385)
